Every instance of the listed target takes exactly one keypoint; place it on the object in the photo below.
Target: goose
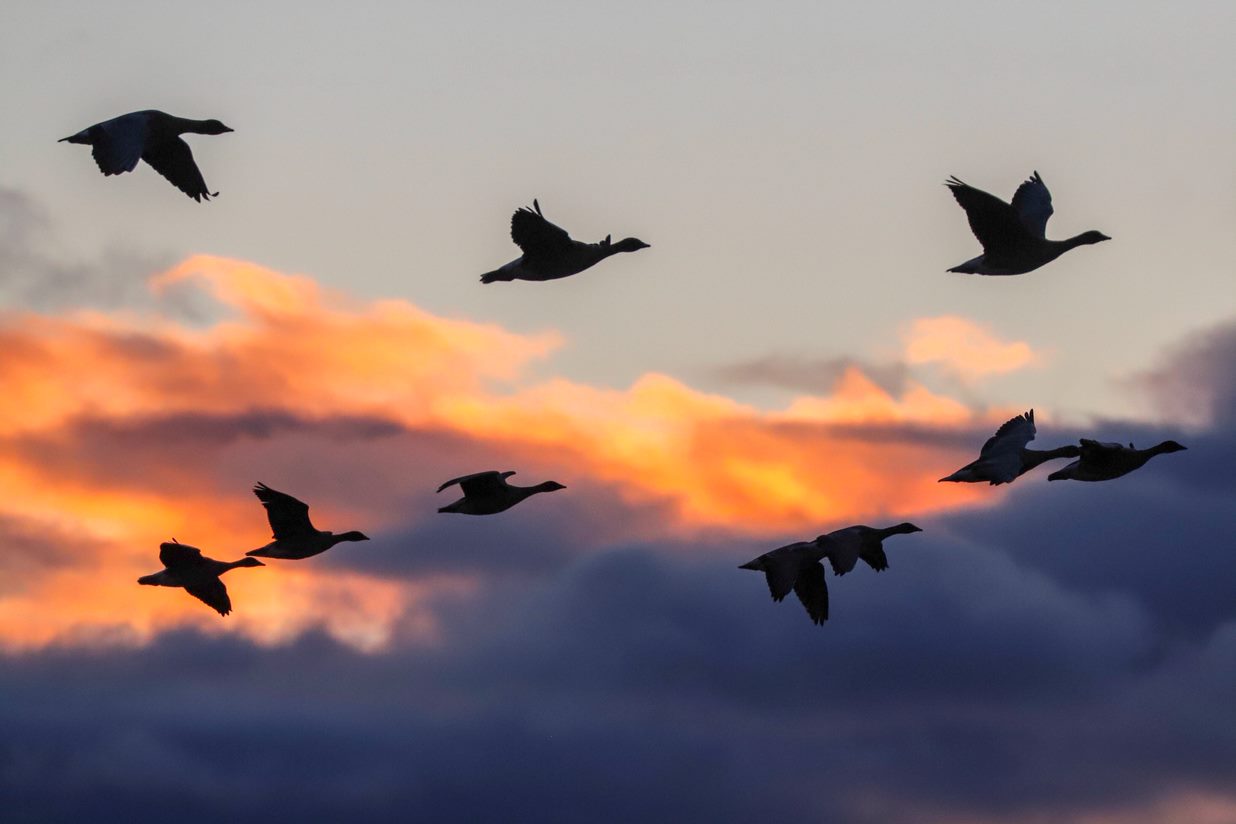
(294, 534)
(1105, 461)
(154, 137)
(1013, 236)
(549, 252)
(847, 546)
(1004, 457)
(486, 493)
(185, 566)
(797, 567)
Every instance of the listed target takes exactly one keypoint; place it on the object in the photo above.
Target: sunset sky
(788, 358)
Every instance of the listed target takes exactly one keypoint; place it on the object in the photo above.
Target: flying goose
(1013, 236)
(847, 546)
(294, 534)
(1004, 457)
(486, 493)
(549, 252)
(187, 567)
(797, 567)
(1104, 461)
(154, 137)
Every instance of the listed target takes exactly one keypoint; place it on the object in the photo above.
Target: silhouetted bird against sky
(294, 534)
(187, 567)
(1013, 236)
(846, 546)
(154, 137)
(1004, 457)
(488, 492)
(1104, 461)
(549, 252)
(797, 567)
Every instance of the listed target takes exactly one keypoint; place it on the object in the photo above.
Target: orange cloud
(966, 348)
(705, 460)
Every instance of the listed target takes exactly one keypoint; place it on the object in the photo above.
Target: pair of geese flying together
(1004, 457)
(296, 538)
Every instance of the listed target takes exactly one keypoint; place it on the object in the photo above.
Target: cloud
(964, 348)
(811, 375)
(1194, 382)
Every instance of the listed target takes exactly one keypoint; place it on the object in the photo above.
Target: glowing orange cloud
(965, 348)
(289, 345)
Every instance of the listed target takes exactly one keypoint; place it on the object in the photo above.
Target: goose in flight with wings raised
(294, 534)
(486, 493)
(186, 567)
(847, 546)
(1105, 461)
(154, 137)
(1013, 235)
(549, 252)
(1005, 457)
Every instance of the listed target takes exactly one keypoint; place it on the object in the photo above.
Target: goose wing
(1100, 455)
(288, 516)
(173, 159)
(117, 144)
(480, 483)
(781, 569)
(536, 236)
(175, 555)
(1012, 436)
(995, 223)
(874, 557)
(812, 590)
(1032, 203)
(212, 593)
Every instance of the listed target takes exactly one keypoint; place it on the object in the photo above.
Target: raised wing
(173, 159)
(1012, 436)
(289, 518)
(212, 593)
(995, 223)
(175, 555)
(480, 483)
(1032, 202)
(813, 592)
(536, 236)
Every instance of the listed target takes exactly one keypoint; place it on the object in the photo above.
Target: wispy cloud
(967, 349)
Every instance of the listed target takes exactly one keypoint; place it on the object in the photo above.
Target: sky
(788, 357)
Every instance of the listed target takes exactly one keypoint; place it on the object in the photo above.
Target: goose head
(629, 244)
(1170, 446)
(352, 536)
(212, 127)
(1092, 236)
(246, 562)
(549, 486)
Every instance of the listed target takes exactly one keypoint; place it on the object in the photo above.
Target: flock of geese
(1013, 237)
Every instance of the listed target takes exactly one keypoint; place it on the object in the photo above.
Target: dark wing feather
(1032, 202)
(875, 557)
(480, 482)
(173, 159)
(212, 593)
(117, 144)
(995, 223)
(177, 555)
(288, 517)
(1019, 430)
(1099, 454)
(536, 236)
(813, 592)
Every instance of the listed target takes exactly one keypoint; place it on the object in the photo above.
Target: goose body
(186, 567)
(487, 493)
(295, 536)
(1105, 461)
(797, 567)
(549, 252)
(1005, 457)
(847, 546)
(153, 136)
(1013, 235)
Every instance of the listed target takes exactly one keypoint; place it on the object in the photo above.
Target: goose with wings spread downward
(294, 534)
(1013, 235)
(486, 493)
(186, 567)
(549, 252)
(1005, 457)
(154, 137)
(1104, 461)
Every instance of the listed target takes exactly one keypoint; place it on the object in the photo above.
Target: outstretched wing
(536, 236)
(874, 557)
(212, 593)
(173, 159)
(1012, 436)
(288, 517)
(117, 144)
(995, 223)
(480, 483)
(1032, 203)
(813, 592)
(175, 555)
